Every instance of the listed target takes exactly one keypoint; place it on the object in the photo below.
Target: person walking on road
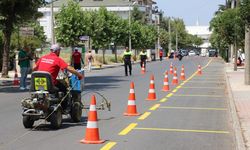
(90, 59)
(161, 54)
(77, 59)
(143, 57)
(24, 63)
(127, 61)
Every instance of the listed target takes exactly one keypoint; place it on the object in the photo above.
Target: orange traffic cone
(131, 109)
(199, 70)
(175, 78)
(16, 79)
(143, 70)
(151, 92)
(171, 69)
(182, 73)
(92, 131)
(165, 82)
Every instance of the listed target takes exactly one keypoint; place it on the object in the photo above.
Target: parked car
(184, 52)
(191, 53)
(212, 53)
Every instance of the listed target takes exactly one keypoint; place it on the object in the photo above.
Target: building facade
(120, 7)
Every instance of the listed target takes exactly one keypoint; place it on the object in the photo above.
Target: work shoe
(22, 88)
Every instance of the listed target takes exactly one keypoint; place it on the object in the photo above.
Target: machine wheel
(76, 112)
(56, 119)
(28, 122)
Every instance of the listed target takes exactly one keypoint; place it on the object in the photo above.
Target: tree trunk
(235, 57)
(103, 56)
(6, 48)
(116, 60)
(247, 56)
(231, 52)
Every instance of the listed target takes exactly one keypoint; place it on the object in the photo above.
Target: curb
(239, 140)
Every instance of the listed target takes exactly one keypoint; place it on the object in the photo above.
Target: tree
(14, 12)
(70, 24)
(245, 15)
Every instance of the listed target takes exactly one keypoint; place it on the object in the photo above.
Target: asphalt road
(192, 116)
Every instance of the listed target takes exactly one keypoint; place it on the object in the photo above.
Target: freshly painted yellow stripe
(194, 108)
(155, 107)
(175, 90)
(178, 87)
(193, 95)
(169, 95)
(184, 130)
(194, 87)
(128, 129)
(108, 146)
(144, 116)
(163, 100)
(205, 82)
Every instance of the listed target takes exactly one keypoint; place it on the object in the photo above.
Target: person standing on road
(77, 59)
(127, 61)
(90, 59)
(143, 57)
(24, 63)
(161, 55)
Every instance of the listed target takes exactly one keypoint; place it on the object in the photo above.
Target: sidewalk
(9, 81)
(239, 95)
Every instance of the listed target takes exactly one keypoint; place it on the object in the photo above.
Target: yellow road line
(155, 107)
(163, 100)
(194, 87)
(144, 116)
(185, 95)
(194, 108)
(108, 146)
(128, 129)
(178, 87)
(184, 130)
(205, 82)
(182, 83)
(175, 90)
(169, 95)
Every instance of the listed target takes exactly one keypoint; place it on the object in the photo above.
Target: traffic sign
(26, 31)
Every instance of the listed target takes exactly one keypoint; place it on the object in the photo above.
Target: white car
(191, 53)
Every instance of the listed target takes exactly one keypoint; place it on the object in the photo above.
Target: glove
(80, 77)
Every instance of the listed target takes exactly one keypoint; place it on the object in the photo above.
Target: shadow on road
(102, 82)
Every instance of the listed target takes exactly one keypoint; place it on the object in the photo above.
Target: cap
(55, 47)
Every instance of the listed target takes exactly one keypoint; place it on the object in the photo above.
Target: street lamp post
(129, 23)
(52, 23)
(169, 32)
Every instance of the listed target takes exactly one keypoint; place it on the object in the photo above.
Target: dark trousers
(62, 88)
(143, 62)
(77, 66)
(127, 64)
(160, 58)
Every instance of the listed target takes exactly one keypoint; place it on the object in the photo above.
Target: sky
(190, 10)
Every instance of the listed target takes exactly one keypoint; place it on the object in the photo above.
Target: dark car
(212, 53)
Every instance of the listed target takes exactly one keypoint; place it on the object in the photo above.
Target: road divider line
(178, 87)
(184, 130)
(182, 83)
(128, 129)
(169, 95)
(163, 100)
(108, 146)
(194, 87)
(192, 95)
(175, 90)
(205, 82)
(155, 107)
(194, 108)
(144, 116)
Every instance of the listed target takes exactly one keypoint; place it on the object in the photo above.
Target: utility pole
(176, 38)
(169, 33)
(52, 23)
(158, 36)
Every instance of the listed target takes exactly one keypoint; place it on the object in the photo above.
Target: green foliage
(137, 15)
(245, 11)
(229, 26)
(70, 24)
